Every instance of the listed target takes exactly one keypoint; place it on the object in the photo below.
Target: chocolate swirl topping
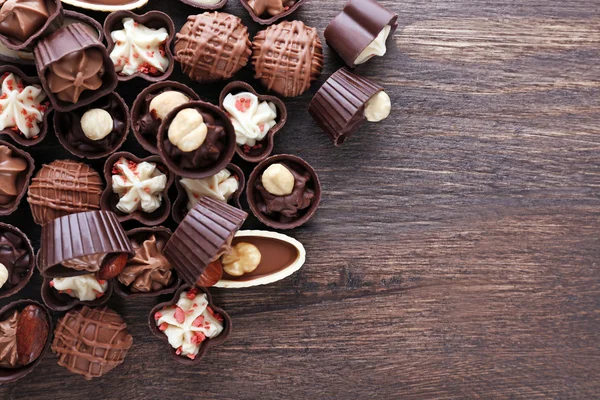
(8, 341)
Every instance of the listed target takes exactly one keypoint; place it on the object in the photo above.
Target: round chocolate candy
(17, 260)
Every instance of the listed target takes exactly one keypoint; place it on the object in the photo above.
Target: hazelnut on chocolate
(162, 104)
(96, 124)
(243, 259)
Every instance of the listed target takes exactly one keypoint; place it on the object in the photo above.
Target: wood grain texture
(455, 254)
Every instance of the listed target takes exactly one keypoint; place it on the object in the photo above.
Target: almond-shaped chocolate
(23, 22)
(283, 191)
(196, 140)
(209, 5)
(17, 260)
(63, 294)
(137, 188)
(148, 273)
(219, 187)
(260, 258)
(127, 33)
(74, 67)
(211, 326)
(255, 118)
(16, 169)
(266, 12)
(25, 335)
(152, 105)
(96, 130)
(24, 107)
(107, 5)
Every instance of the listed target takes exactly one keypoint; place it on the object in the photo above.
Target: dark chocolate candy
(16, 255)
(23, 22)
(266, 12)
(57, 301)
(16, 169)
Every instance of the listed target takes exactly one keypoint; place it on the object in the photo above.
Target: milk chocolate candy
(202, 237)
(209, 5)
(63, 301)
(74, 67)
(266, 12)
(16, 169)
(362, 23)
(17, 261)
(23, 22)
(107, 5)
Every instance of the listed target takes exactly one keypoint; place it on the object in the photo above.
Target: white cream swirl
(219, 187)
(21, 106)
(83, 287)
(139, 186)
(251, 120)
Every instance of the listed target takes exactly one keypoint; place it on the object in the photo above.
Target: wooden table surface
(455, 253)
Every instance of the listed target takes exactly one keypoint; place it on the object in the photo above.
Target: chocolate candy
(212, 46)
(206, 4)
(63, 294)
(22, 22)
(17, 260)
(266, 12)
(91, 342)
(360, 31)
(63, 187)
(287, 57)
(16, 168)
(74, 67)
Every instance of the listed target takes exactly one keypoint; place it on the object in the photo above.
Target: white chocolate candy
(139, 186)
(96, 124)
(189, 323)
(278, 180)
(250, 119)
(243, 259)
(376, 48)
(3, 275)
(188, 130)
(139, 49)
(165, 102)
(83, 287)
(21, 106)
(378, 107)
(219, 187)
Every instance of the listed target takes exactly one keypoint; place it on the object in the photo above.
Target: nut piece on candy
(96, 124)
(243, 259)
(188, 130)
(3, 275)
(162, 104)
(278, 180)
(32, 333)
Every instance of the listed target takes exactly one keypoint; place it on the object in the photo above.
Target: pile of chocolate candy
(85, 253)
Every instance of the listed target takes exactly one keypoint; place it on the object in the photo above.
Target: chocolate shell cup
(357, 26)
(64, 42)
(202, 237)
(265, 148)
(256, 202)
(142, 234)
(180, 209)
(107, 6)
(10, 375)
(268, 21)
(153, 20)
(23, 179)
(63, 302)
(95, 28)
(144, 126)
(109, 199)
(15, 135)
(207, 7)
(52, 23)
(68, 130)
(225, 156)
(208, 343)
(78, 235)
(339, 105)
(19, 275)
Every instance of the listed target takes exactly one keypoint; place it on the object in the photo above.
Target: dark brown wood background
(455, 254)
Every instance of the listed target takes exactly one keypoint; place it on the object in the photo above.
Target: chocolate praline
(107, 5)
(49, 18)
(287, 212)
(208, 7)
(16, 254)
(267, 19)
(212, 156)
(21, 181)
(70, 133)
(63, 302)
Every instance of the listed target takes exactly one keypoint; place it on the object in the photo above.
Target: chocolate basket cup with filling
(16, 169)
(75, 291)
(196, 140)
(283, 191)
(17, 260)
(23, 22)
(96, 130)
(209, 5)
(260, 117)
(266, 12)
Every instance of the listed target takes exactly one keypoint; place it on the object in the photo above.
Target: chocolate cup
(351, 31)
(63, 302)
(152, 19)
(60, 124)
(338, 107)
(139, 108)
(268, 142)
(208, 343)
(109, 199)
(226, 155)
(67, 40)
(144, 233)
(180, 205)
(25, 280)
(15, 136)
(9, 375)
(22, 181)
(103, 6)
(54, 21)
(252, 193)
(275, 18)
(207, 7)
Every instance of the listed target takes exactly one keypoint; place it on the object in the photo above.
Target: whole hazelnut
(162, 104)
(96, 124)
(188, 130)
(278, 180)
(3, 275)
(243, 259)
